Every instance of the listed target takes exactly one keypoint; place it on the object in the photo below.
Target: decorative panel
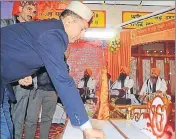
(146, 69)
(133, 65)
(172, 67)
(160, 65)
(172, 76)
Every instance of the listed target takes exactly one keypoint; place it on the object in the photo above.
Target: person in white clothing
(87, 85)
(153, 84)
(125, 83)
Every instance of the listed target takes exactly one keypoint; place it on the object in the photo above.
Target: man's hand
(93, 134)
(26, 81)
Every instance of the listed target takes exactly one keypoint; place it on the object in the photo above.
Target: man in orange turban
(153, 84)
(155, 72)
(123, 81)
(87, 85)
(88, 72)
(124, 84)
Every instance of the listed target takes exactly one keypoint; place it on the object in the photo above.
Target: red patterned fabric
(55, 131)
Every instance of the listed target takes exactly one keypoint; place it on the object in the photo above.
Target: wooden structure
(154, 46)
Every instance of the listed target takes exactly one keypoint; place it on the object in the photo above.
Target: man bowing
(25, 47)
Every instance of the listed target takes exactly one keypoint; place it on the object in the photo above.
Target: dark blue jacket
(25, 47)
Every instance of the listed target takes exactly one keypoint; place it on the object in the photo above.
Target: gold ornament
(114, 44)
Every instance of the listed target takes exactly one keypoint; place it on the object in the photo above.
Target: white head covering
(80, 9)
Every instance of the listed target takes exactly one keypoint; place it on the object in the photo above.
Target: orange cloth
(124, 70)
(103, 112)
(89, 71)
(155, 71)
(121, 57)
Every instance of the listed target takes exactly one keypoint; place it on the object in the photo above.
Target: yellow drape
(103, 112)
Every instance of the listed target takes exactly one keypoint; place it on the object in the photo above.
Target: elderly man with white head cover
(39, 44)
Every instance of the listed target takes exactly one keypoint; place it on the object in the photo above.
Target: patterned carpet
(56, 131)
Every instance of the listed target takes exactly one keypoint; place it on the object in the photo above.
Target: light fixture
(147, 51)
(154, 51)
(161, 51)
(101, 34)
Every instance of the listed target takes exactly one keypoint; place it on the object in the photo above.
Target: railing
(128, 111)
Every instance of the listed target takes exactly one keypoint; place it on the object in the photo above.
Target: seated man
(87, 85)
(123, 86)
(152, 85)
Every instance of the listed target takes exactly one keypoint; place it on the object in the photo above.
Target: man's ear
(68, 20)
(20, 9)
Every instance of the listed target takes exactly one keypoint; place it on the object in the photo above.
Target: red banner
(86, 55)
(53, 9)
(48, 10)
(153, 28)
(45, 9)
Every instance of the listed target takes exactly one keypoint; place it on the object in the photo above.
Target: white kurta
(147, 87)
(128, 83)
(91, 84)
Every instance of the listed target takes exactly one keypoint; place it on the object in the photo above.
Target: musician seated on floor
(123, 87)
(86, 86)
(152, 85)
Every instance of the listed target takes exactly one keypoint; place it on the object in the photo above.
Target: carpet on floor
(55, 131)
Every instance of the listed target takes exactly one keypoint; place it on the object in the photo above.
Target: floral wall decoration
(114, 44)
